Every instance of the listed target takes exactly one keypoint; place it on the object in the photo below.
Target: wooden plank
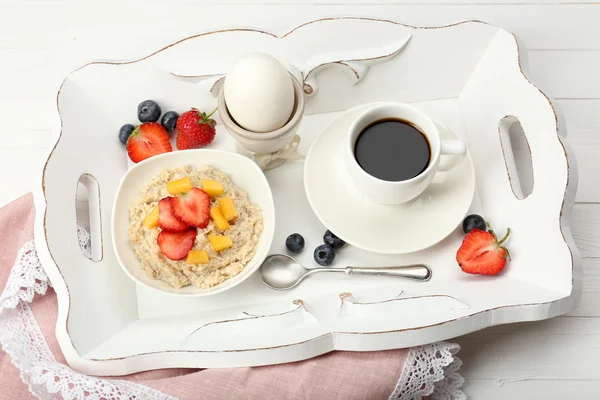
(590, 298)
(125, 27)
(583, 133)
(565, 74)
(23, 114)
(21, 171)
(585, 227)
(29, 121)
(39, 73)
(334, 2)
(589, 169)
(549, 389)
(591, 280)
(588, 307)
(27, 160)
(582, 117)
(26, 138)
(586, 223)
(32, 74)
(587, 156)
(560, 347)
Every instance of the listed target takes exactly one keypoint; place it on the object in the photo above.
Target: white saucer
(405, 228)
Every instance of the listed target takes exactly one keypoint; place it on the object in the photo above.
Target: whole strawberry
(482, 253)
(195, 129)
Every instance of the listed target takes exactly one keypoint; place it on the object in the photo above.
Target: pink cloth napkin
(337, 375)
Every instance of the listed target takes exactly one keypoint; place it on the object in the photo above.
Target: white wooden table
(42, 41)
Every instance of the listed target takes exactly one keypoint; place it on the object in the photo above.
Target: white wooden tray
(466, 75)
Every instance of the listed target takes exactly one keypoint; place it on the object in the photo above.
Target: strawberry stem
(505, 237)
(210, 115)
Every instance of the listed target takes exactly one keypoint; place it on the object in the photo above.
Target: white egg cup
(268, 149)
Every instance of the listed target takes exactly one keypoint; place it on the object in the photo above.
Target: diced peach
(151, 220)
(179, 186)
(218, 218)
(212, 188)
(197, 257)
(227, 208)
(220, 243)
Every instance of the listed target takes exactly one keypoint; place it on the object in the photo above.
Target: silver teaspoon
(282, 272)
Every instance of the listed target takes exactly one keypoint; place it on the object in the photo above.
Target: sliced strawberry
(482, 253)
(147, 140)
(166, 219)
(176, 245)
(193, 208)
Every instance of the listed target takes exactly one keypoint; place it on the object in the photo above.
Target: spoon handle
(418, 272)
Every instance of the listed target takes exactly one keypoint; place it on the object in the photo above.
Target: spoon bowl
(281, 272)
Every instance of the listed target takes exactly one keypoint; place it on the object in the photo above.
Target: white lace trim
(449, 387)
(23, 340)
(85, 242)
(431, 370)
(26, 278)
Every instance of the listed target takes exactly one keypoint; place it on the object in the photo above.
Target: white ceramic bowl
(243, 172)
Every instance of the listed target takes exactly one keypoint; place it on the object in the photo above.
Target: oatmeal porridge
(181, 253)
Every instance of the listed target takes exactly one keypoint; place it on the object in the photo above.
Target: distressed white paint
(43, 41)
(486, 84)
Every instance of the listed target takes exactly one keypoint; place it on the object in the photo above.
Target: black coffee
(392, 150)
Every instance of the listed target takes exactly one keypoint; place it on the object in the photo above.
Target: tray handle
(355, 63)
(89, 217)
(517, 156)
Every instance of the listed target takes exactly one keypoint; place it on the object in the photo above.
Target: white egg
(259, 93)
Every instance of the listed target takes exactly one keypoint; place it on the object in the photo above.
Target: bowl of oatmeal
(194, 222)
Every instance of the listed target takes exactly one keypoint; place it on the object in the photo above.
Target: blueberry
(169, 120)
(324, 255)
(125, 132)
(294, 243)
(148, 111)
(332, 240)
(473, 221)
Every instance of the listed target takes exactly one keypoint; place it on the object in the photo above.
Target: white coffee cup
(398, 192)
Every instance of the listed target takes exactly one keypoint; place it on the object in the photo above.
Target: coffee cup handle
(455, 148)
